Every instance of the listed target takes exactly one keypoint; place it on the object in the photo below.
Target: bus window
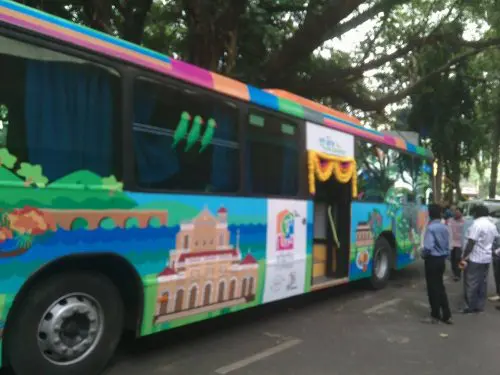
(424, 182)
(272, 157)
(406, 175)
(58, 112)
(184, 140)
(375, 176)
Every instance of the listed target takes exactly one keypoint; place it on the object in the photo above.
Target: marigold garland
(344, 170)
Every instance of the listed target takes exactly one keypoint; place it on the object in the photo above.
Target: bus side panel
(369, 220)
(410, 224)
(198, 256)
(223, 255)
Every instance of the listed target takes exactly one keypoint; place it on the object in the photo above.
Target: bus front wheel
(381, 264)
(67, 324)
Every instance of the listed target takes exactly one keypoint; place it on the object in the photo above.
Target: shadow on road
(146, 346)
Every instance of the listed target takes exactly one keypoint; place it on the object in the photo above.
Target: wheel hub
(381, 263)
(70, 329)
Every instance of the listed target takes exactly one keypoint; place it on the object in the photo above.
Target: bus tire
(381, 264)
(70, 323)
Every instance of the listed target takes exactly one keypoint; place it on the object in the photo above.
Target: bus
(138, 192)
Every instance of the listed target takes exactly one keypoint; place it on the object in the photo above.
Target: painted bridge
(92, 219)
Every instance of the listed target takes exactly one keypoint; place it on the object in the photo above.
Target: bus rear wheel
(381, 264)
(68, 324)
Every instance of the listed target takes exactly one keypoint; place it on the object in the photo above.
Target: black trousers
(496, 271)
(434, 272)
(455, 256)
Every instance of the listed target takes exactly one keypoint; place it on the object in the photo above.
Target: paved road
(346, 331)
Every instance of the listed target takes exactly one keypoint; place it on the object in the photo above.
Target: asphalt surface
(344, 331)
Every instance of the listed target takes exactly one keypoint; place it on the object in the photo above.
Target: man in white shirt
(476, 260)
(496, 267)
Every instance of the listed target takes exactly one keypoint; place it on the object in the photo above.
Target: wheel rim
(381, 263)
(70, 329)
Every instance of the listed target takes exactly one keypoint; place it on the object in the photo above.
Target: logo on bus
(330, 146)
(285, 230)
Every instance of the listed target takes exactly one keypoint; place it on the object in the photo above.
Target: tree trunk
(213, 33)
(448, 189)
(439, 182)
(495, 158)
(456, 173)
(98, 14)
(134, 14)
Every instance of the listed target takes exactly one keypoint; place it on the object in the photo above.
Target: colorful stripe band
(57, 28)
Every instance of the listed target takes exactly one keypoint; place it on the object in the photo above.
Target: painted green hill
(9, 178)
(78, 190)
(78, 180)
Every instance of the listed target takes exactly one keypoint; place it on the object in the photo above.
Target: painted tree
(112, 184)
(403, 232)
(376, 223)
(7, 160)
(393, 206)
(32, 175)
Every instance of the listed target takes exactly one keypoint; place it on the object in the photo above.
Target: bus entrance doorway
(332, 222)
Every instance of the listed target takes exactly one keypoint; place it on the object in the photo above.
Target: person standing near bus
(456, 225)
(435, 251)
(476, 260)
(496, 266)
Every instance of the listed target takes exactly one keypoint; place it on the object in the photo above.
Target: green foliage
(7, 160)
(112, 184)
(78, 180)
(376, 223)
(32, 175)
(282, 44)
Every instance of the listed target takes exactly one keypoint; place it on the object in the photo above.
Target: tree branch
(308, 37)
(324, 79)
(379, 104)
(384, 6)
(282, 8)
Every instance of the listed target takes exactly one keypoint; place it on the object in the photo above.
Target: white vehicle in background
(493, 206)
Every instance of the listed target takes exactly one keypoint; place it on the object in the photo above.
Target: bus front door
(331, 232)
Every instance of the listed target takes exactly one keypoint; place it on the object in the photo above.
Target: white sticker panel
(286, 249)
(330, 141)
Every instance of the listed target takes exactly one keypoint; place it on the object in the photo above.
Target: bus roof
(277, 100)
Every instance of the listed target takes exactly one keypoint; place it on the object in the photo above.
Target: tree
(444, 111)
(7, 160)
(112, 184)
(32, 175)
(488, 101)
(271, 43)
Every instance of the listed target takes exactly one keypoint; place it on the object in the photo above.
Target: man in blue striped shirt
(435, 251)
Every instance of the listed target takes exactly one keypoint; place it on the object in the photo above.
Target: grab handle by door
(333, 228)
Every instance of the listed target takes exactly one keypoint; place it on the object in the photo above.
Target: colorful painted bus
(140, 192)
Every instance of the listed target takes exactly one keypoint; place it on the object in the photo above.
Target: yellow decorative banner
(322, 166)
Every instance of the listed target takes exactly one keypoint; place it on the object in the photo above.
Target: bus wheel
(67, 324)
(381, 264)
